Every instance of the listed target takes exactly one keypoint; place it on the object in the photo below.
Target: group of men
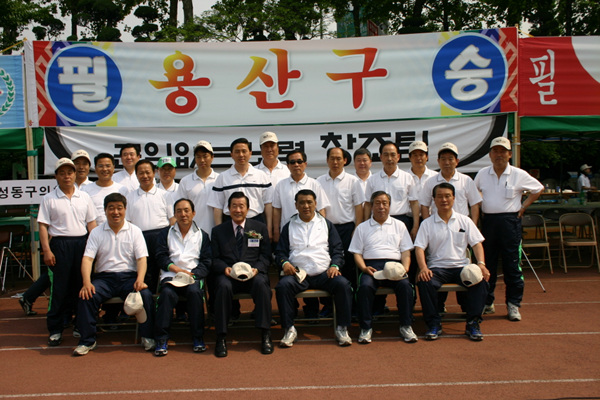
(341, 233)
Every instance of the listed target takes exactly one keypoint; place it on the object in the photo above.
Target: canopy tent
(14, 139)
(558, 128)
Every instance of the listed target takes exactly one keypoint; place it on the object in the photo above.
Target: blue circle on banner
(83, 84)
(469, 72)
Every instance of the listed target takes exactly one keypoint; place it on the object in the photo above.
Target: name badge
(253, 242)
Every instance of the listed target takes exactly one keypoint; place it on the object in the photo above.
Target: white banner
(25, 191)
(471, 135)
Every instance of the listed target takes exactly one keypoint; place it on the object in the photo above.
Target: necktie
(239, 238)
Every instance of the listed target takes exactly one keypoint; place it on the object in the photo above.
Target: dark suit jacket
(163, 257)
(224, 247)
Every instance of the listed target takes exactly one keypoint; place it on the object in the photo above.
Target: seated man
(120, 253)
(184, 256)
(378, 243)
(445, 237)
(241, 242)
(310, 243)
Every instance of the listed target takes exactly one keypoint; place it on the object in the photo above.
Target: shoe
(326, 312)
(161, 348)
(489, 309)
(76, 333)
(473, 332)
(433, 333)
(221, 347)
(267, 343)
(407, 334)
(82, 349)
(148, 343)
(513, 312)
(365, 336)
(199, 346)
(55, 339)
(341, 333)
(26, 306)
(289, 338)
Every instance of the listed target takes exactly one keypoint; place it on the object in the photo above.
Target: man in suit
(241, 258)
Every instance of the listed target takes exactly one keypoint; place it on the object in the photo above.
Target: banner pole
(516, 139)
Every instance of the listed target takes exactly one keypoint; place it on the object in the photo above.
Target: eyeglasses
(294, 162)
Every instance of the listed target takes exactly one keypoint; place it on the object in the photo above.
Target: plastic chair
(578, 230)
(7, 235)
(536, 237)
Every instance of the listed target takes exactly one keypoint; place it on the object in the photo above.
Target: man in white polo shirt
(119, 252)
(270, 164)
(130, 155)
(66, 216)
(82, 162)
(104, 164)
(441, 250)
(362, 165)
(182, 249)
(502, 187)
(166, 175)
(377, 241)
(197, 186)
(151, 209)
(311, 243)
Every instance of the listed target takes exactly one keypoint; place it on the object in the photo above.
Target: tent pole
(516, 142)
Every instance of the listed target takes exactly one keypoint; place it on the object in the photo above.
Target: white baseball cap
(241, 271)
(471, 275)
(501, 141)
(417, 145)
(300, 274)
(392, 270)
(182, 279)
(80, 153)
(268, 137)
(449, 147)
(134, 306)
(584, 167)
(64, 161)
(204, 144)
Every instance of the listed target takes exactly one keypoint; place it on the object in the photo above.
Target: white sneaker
(406, 332)
(289, 338)
(148, 343)
(513, 312)
(365, 336)
(82, 349)
(341, 333)
(491, 309)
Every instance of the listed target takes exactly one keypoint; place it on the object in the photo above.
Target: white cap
(205, 145)
(449, 147)
(501, 141)
(182, 279)
(584, 167)
(63, 161)
(242, 271)
(392, 270)
(471, 275)
(81, 153)
(134, 306)
(417, 145)
(300, 274)
(268, 137)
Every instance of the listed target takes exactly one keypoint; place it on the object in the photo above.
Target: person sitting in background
(583, 181)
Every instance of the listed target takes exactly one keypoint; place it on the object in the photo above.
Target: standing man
(130, 155)
(270, 164)
(583, 181)
(66, 216)
(283, 199)
(377, 243)
(310, 243)
(502, 187)
(467, 195)
(241, 258)
(151, 209)
(82, 162)
(184, 256)
(104, 165)
(445, 237)
(242, 176)
(119, 252)
(197, 186)
(362, 165)
(345, 208)
(418, 154)
(399, 185)
(166, 175)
